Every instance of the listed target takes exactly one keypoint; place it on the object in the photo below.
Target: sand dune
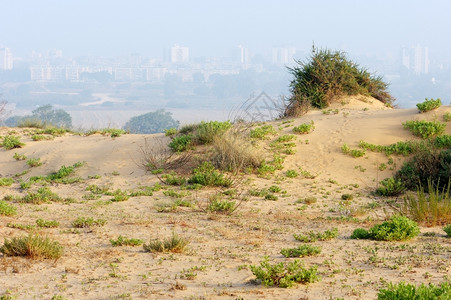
(221, 247)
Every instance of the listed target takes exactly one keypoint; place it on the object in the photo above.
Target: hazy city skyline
(111, 28)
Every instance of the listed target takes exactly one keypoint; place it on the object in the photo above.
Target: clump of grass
(429, 104)
(12, 142)
(173, 179)
(425, 129)
(433, 208)
(174, 244)
(391, 187)
(305, 128)
(284, 274)
(262, 132)
(207, 175)
(124, 241)
(301, 251)
(271, 197)
(18, 156)
(327, 76)
(218, 205)
(206, 132)
(447, 117)
(47, 223)
(6, 181)
(313, 236)
(43, 195)
(32, 246)
(119, 196)
(447, 229)
(6, 209)
(34, 162)
(82, 222)
(402, 291)
(40, 137)
(398, 228)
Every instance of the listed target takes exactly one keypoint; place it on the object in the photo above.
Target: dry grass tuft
(33, 246)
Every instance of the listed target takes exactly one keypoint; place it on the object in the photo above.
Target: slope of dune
(221, 247)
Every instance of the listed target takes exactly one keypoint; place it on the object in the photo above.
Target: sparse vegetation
(391, 187)
(6, 181)
(284, 275)
(402, 291)
(84, 222)
(313, 236)
(447, 230)
(429, 104)
(7, 209)
(425, 129)
(34, 162)
(11, 142)
(18, 156)
(301, 251)
(262, 132)
(32, 246)
(207, 175)
(124, 241)
(305, 128)
(447, 117)
(47, 223)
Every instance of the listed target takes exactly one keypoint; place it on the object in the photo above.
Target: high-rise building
(6, 59)
(416, 59)
(283, 55)
(244, 55)
(179, 54)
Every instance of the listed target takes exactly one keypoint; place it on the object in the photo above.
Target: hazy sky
(213, 27)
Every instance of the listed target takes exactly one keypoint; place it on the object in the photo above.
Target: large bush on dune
(327, 76)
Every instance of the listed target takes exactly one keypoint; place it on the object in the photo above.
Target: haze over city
(180, 55)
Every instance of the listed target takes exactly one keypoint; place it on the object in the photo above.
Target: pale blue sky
(212, 28)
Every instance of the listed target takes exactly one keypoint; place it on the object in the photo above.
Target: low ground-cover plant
(124, 241)
(174, 244)
(398, 228)
(447, 117)
(34, 162)
(206, 132)
(262, 132)
(431, 208)
(352, 152)
(304, 128)
(425, 129)
(301, 251)
(207, 175)
(6, 181)
(47, 223)
(33, 246)
(312, 236)
(7, 209)
(390, 187)
(40, 137)
(284, 274)
(42, 195)
(429, 104)
(18, 156)
(84, 222)
(218, 205)
(403, 291)
(12, 142)
(447, 230)
(181, 143)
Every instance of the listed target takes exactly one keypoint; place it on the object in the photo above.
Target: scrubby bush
(124, 241)
(262, 131)
(284, 275)
(181, 143)
(398, 228)
(206, 132)
(431, 165)
(6, 181)
(174, 244)
(425, 129)
(207, 175)
(447, 117)
(390, 187)
(325, 77)
(447, 230)
(33, 246)
(429, 104)
(403, 291)
(304, 128)
(301, 251)
(6, 209)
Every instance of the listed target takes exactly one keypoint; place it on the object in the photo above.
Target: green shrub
(312, 236)
(262, 132)
(431, 208)
(34, 162)
(206, 132)
(12, 142)
(305, 128)
(170, 132)
(124, 241)
(301, 251)
(173, 179)
(83, 222)
(398, 228)
(347, 197)
(291, 174)
(218, 205)
(174, 244)
(425, 129)
(391, 187)
(47, 223)
(6, 181)
(181, 143)
(207, 175)
(447, 117)
(431, 165)
(327, 76)
(6, 209)
(429, 104)
(271, 197)
(43, 195)
(18, 156)
(33, 246)
(284, 275)
(403, 291)
(119, 196)
(352, 152)
(447, 229)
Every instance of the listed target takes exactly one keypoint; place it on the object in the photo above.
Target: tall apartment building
(244, 55)
(416, 59)
(179, 54)
(283, 55)
(6, 59)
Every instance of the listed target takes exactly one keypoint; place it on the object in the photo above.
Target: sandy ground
(221, 247)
